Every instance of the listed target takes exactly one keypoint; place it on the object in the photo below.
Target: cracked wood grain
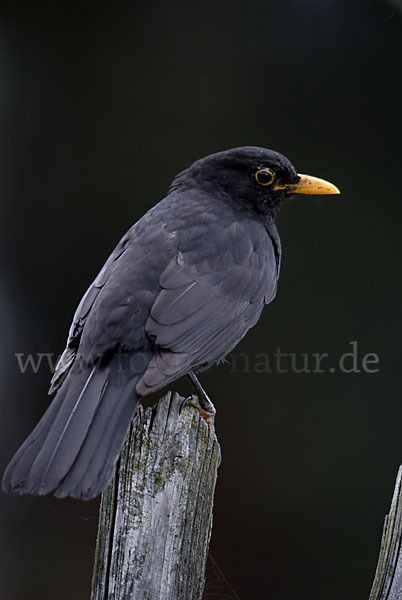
(155, 517)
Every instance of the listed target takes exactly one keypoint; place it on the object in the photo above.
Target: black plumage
(180, 290)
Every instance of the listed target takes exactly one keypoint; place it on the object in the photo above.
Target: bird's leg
(201, 401)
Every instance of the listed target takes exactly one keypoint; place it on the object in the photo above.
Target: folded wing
(209, 299)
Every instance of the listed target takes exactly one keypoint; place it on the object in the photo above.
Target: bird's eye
(265, 176)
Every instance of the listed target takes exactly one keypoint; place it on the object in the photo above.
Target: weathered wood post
(155, 517)
(387, 583)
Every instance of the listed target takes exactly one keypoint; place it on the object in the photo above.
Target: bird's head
(256, 177)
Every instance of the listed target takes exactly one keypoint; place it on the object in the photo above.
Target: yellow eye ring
(265, 176)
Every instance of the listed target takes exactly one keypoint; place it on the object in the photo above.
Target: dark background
(100, 107)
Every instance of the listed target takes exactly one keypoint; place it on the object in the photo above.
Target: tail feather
(14, 478)
(73, 449)
(94, 464)
(67, 433)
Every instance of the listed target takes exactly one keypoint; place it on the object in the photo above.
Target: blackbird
(180, 290)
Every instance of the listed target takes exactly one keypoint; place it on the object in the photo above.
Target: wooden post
(387, 583)
(155, 517)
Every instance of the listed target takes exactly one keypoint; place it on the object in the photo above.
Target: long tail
(73, 449)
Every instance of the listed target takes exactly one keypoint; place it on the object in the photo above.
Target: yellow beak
(308, 184)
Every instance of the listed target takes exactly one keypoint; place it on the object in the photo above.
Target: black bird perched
(181, 289)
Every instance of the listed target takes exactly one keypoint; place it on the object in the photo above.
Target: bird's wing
(211, 295)
(81, 314)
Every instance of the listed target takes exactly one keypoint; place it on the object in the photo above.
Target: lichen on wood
(155, 517)
(387, 583)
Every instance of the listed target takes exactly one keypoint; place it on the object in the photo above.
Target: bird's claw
(206, 411)
(139, 413)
